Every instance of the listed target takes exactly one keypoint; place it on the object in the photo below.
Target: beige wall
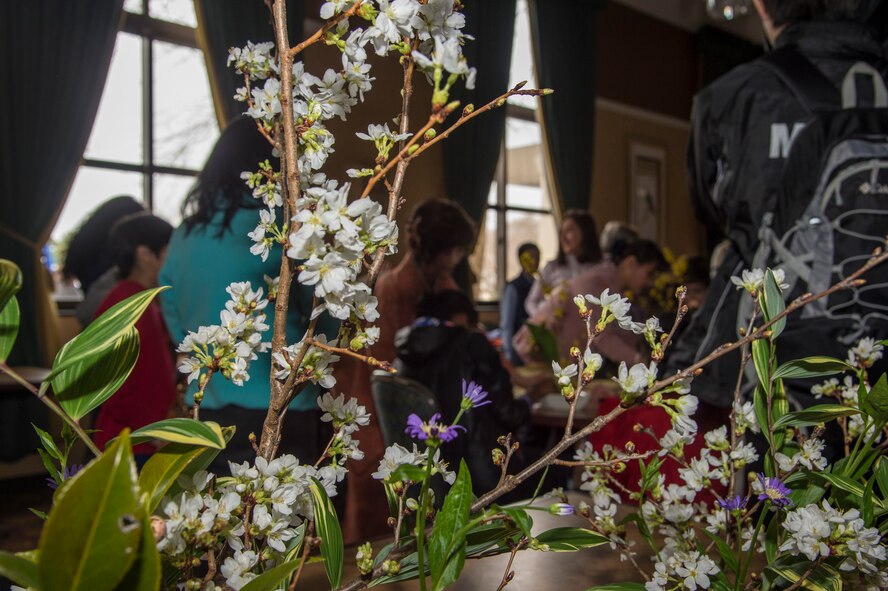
(616, 128)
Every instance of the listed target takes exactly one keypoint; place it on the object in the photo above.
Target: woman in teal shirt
(208, 252)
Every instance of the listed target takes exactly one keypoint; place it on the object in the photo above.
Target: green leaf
(9, 325)
(447, 550)
(876, 402)
(145, 574)
(95, 528)
(811, 367)
(803, 496)
(165, 465)
(760, 406)
(868, 511)
(848, 485)
(19, 570)
(773, 304)
(182, 430)
(822, 578)
(881, 474)
(269, 580)
(407, 472)
(327, 525)
(618, 587)
(814, 415)
(546, 341)
(570, 539)
(10, 281)
(727, 554)
(89, 382)
(104, 331)
(761, 359)
(47, 441)
(520, 517)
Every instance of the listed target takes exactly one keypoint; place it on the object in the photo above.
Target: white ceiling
(691, 15)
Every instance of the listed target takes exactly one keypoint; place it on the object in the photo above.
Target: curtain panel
(55, 58)
(470, 154)
(223, 24)
(563, 33)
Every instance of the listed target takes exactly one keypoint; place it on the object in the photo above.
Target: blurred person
(209, 251)
(138, 245)
(439, 234)
(444, 349)
(512, 312)
(578, 250)
(615, 237)
(89, 259)
(633, 271)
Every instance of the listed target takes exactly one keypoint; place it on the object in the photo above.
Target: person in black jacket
(442, 348)
(743, 126)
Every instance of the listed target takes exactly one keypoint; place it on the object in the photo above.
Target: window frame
(149, 29)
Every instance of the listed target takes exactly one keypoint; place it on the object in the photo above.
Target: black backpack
(830, 213)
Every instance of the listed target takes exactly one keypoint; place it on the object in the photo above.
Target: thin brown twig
(330, 24)
(306, 548)
(680, 313)
(604, 463)
(510, 574)
(371, 361)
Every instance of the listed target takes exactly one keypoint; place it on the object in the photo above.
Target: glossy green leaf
(851, 486)
(761, 360)
(10, 281)
(447, 550)
(521, 518)
(407, 472)
(546, 341)
(868, 511)
(327, 526)
(20, 571)
(571, 539)
(9, 326)
(104, 331)
(182, 430)
(773, 304)
(95, 528)
(47, 442)
(87, 383)
(811, 367)
(270, 579)
(618, 587)
(881, 474)
(805, 495)
(822, 578)
(876, 402)
(814, 415)
(760, 406)
(726, 552)
(145, 573)
(164, 466)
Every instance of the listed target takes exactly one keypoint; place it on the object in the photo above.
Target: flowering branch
(328, 26)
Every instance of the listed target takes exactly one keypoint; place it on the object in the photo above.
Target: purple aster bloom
(473, 395)
(774, 490)
(70, 471)
(733, 503)
(433, 429)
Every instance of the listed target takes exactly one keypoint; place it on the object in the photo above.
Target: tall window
(519, 207)
(155, 125)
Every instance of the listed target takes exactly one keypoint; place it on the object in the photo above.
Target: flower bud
(498, 457)
(391, 567)
(561, 509)
(430, 134)
(412, 149)
(412, 504)
(470, 108)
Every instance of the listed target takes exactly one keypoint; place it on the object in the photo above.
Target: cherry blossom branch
(605, 463)
(681, 293)
(371, 361)
(510, 574)
(330, 24)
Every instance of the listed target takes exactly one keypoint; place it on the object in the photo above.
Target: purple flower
(473, 395)
(561, 509)
(774, 490)
(70, 471)
(733, 503)
(431, 430)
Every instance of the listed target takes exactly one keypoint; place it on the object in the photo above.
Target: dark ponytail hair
(219, 186)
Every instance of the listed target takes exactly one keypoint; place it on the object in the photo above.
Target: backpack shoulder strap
(809, 85)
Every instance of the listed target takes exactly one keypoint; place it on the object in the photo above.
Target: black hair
(133, 231)
(783, 12)
(644, 251)
(219, 185)
(697, 271)
(444, 305)
(590, 250)
(87, 257)
(527, 247)
(436, 226)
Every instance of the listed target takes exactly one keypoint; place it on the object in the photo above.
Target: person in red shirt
(138, 244)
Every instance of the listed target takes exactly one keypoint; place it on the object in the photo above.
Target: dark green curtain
(53, 63)
(565, 62)
(223, 24)
(472, 151)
